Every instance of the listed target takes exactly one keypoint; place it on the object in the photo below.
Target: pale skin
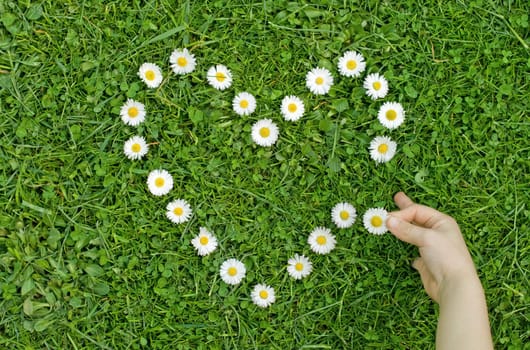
(447, 272)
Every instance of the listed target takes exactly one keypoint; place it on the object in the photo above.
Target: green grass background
(88, 259)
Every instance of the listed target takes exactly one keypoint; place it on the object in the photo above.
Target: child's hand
(447, 272)
(443, 252)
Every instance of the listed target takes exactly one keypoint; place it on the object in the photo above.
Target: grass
(88, 259)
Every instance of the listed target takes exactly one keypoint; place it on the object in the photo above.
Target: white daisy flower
(132, 112)
(376, 86)
(374, 220)
(263, 295)
(182, 61)
(135, 147)
(178, 211)
(391, 115)
(382, 149)
(205, 243)
(351, 64)
(321, 240)
(265, 132)
(219, 77)
(343, 215)
(319, 81)
(244, 103)
(160, 182)
(151, 74)
(232, 271)
(292, 108)
(299, 267)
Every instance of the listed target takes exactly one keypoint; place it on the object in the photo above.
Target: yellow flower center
(182, 61)
(377, 85)
(232, 271)
(220, 77)
(204, 240)
(263, 294)
(376, 221)
(344, 215)
(150, 75)
(243, 103)
(321, 240)
(382, 148)
(391, 114)
(159, 182)
(319, 81)
(351, 64)
(133, 112)
(292, 107)
(264, 132)
(299, 266)
(178, 211)
(136, 147)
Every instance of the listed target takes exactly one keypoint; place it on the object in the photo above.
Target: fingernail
(392, 222)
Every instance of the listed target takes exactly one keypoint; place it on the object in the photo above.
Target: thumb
(405, 231)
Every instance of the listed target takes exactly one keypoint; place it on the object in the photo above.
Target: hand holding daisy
(447, 272)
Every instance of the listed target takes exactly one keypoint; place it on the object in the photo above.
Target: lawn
(88, 259)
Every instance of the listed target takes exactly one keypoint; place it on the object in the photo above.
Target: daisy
(219, 77)
(159, 182)
(232, 271)
(178, 211)
(135, 147)
(132, 112)
(319, 81)
(292, 108)
(244, 103)
(299, 267)
(321, 240)
(376, 86)
(374, 220)
(343, 215)
(351, 64)
(205, 243)
(151, 74)
(263, 295)
(391, 115)
(182, 61)
(265, 132)
(382, 149)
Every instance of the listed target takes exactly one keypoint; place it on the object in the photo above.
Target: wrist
(464, 283)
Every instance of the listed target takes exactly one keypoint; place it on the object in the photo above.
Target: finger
(406, 231)
(427, 279)
(421, 215)
(417, 264)
(402, 200)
